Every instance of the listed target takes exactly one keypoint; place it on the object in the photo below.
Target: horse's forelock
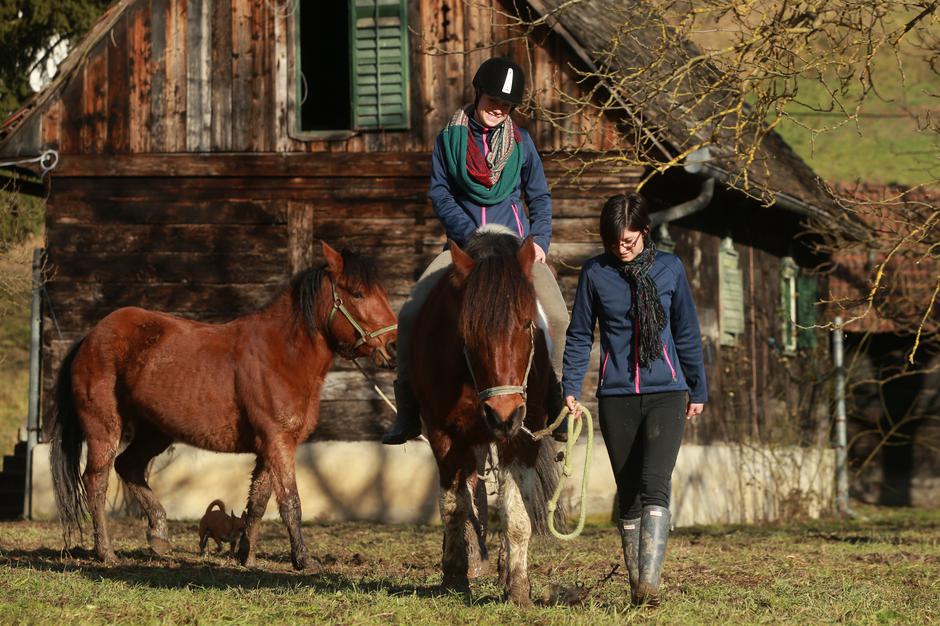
(497, 298)
(359, 270)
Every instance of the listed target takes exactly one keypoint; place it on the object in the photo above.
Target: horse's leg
(280, 458)
(478, 557)
(517, 529)
(458, 473)
(131, 466)
(258, 497)
(101, 454)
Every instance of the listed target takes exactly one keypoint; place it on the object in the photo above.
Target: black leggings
(643, 434)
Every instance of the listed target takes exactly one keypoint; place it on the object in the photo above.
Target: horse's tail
(66, 450)
(548, 473)
(216, 503)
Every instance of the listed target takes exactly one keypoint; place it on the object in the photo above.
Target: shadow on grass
(140, 568)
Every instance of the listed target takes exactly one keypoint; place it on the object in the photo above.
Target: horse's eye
(357, 295)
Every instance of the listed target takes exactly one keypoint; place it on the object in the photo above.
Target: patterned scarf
(647, 310)
(485, 180)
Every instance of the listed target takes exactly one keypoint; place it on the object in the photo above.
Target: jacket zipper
(515, 211)
(636, 357)
(604, 366)
(671, 368)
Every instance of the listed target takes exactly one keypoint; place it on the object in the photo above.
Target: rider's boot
(554, 405)
(407, 418)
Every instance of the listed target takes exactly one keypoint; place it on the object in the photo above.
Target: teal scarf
(456, 139)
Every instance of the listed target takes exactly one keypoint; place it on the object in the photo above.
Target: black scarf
(647, 311)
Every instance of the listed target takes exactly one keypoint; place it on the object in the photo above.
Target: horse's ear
(526, 256)
(463, 264)
(334, 260)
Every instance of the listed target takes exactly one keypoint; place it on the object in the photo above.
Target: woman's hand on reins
(694, 408)
(574, 407)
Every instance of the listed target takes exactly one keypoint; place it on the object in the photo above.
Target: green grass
(888, 144)
(881, 569)
(15, 301)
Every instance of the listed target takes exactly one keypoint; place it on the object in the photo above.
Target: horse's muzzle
(385, 356)
(504, 415)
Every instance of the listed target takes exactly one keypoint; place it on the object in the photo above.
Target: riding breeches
(546, 290)
(642, 434)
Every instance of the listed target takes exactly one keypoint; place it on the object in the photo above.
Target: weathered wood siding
(217, 76)
(215, 244)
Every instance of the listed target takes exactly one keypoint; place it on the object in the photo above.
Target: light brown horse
(250, 385)
(481, 373)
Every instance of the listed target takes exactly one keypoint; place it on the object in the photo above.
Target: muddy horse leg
(477, 555)
(458, 472)
(258, 497)
(517, 529)
(95, 477)
(280, 459)
(131, 466)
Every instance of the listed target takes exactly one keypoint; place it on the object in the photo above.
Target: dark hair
(623, 212)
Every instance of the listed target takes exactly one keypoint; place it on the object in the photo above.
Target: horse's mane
(359, 271)
(497, 296)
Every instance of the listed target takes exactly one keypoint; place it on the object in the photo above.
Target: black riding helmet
(502, 79)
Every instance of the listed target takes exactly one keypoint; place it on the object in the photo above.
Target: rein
(364, 337)
(574, 431)
(505, 390)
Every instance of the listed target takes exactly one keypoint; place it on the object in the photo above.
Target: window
(806, 295)
(788, 273)
(730, 293)
(352, 69)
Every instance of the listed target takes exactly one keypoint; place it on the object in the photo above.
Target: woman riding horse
(482, 165)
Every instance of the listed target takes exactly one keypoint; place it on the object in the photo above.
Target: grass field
(884, 568)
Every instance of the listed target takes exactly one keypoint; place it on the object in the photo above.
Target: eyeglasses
(629, 245)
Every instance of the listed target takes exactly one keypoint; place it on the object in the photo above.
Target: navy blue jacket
(604, 294)
(461, 216)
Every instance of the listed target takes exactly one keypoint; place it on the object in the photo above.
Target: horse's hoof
(160, 546)
(300, 564)
(458, 584)
(519, 595)
(107, 558)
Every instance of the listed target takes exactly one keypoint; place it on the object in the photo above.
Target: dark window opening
(324, 64)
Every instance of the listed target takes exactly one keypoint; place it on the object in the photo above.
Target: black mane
(359, 272)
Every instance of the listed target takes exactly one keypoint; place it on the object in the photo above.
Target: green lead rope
(574, 431)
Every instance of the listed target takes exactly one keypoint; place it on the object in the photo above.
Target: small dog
(221, 527)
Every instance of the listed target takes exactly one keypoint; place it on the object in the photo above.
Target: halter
(364, 337)
(505, 390)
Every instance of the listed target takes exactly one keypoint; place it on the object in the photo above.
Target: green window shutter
(379, 63)
(730, 293)
(806, 295)
(788, 271)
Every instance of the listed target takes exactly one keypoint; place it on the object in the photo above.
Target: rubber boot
(654, 531)
(630, 539)
(407, 418)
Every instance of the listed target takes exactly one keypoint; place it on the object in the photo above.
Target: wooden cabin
(206, 145)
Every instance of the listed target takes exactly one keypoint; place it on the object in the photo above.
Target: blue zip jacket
(461, 216)
(604, 294)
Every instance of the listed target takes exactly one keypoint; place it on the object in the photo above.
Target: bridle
(505, 390)
(364, 337)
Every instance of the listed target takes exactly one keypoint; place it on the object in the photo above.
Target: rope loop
(574, 431)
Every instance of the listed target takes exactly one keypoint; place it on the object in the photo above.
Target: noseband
(505, 390)
(364, 337)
